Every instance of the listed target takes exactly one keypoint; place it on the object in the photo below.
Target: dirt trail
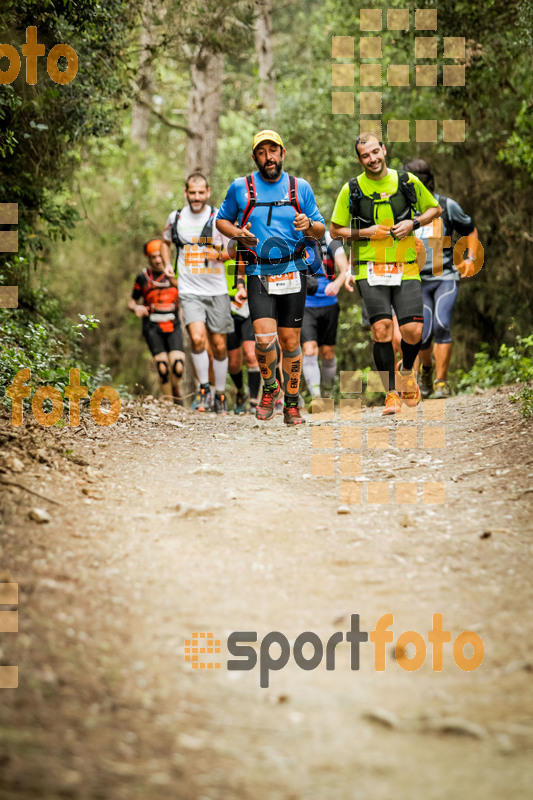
(178, 523)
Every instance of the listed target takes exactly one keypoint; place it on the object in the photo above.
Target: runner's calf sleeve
(254, 382)
(292, 367)
(311, 372)
(162, 368)
(384, 361)
(201, 366)
(220, 368)
(267, 360)
(409, 353)
(237, 379)
(328, 368)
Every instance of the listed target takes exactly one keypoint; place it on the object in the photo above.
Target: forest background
(167, 87)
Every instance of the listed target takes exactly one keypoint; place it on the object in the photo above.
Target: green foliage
(525, 398)
(514, 364)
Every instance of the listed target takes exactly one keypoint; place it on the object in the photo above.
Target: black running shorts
(320, 324)
(161, 341)
(406, 299)
(286, 309)
(244, 332)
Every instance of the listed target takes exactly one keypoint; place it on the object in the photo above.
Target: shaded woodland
(167, 87)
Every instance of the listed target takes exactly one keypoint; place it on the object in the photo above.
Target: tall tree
(152, 12)
(265, 58)
(204, 110)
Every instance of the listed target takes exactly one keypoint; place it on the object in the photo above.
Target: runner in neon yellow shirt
(375, 213)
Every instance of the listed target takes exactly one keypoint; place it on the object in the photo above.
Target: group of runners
(257, 281)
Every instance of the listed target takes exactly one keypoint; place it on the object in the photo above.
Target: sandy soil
(170, 523)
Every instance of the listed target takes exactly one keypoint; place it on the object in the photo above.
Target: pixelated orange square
(9, 677)
(9, 594)
(453, 75)
(406, 492)
(350, 493)
(426, 130)
(370, 103)
(426, 19)
(350, 437)
(342, 47)
(454, 47)
(370, 126)
(350, 409)
(370, 74)
(426, 47)
(426, 74)
(370, 19)
(453, 130)
(323, 409)
(398, 130)
(342, 103)
(398, 19)
(351, 381)
(370, 47)
(323, 436)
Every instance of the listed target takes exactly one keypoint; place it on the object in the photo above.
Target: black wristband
(416, 223)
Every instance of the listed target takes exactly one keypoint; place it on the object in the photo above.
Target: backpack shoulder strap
(293, 194)
(406, 188)
(207, 230)
(354, 197)
(252, 199)
(174, 230)
(443, 202)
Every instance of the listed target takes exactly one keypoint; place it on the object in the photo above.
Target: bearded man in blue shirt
(270, 214)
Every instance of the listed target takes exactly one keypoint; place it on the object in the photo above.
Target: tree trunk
(205, 107)
(263, 48)
(144, 83)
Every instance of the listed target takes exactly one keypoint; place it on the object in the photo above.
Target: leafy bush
(513, 364)
(525, 398)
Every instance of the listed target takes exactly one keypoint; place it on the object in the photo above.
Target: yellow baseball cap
(266, 136)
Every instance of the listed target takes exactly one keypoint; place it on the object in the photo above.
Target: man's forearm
(429, 215)
(165, 254)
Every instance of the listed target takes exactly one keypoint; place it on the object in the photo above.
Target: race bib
(380, 274)
(283, 284)
(241, 309)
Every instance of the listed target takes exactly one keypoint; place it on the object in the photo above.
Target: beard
(273, 172)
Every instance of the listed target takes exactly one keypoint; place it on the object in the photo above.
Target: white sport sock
(311, 372)
(220, 368)
(201, 366)
(329, 370)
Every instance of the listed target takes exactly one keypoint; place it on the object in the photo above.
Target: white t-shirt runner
(196, 275)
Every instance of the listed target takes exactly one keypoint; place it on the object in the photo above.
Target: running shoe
(241, 401)
(409, 389)
(265, 409)
(393, 404)
(440, 390)
(204, 398)
(425, 381)
(292, 416)
(221, 404)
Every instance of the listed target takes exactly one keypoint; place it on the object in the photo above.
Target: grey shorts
(214, 311)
